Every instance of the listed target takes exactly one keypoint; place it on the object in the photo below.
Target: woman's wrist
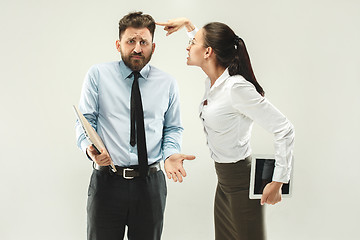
(189, 26)
(277, 184)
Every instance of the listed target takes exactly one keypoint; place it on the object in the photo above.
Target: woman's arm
(250, 103)
(176, 24)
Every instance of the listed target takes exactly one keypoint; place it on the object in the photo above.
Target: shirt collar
(126, 71)
(225, 75)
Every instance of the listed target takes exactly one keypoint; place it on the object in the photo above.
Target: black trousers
(115, 202)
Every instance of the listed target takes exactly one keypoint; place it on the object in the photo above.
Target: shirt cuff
(192, 33)
(281, 174)
(84, 144)
(168, 152)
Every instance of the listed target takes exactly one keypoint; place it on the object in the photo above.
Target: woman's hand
(176, 24)
(272, 193)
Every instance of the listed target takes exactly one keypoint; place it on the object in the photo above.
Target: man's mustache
(137, 54)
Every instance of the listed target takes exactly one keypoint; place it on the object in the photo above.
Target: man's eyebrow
(144, 39)
(133, 38)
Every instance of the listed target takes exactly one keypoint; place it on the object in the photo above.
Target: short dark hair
(230, 51)
(137, 20)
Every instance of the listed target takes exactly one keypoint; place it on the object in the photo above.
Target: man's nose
(137, 48)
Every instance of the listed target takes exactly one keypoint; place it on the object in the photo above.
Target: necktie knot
(136, 75)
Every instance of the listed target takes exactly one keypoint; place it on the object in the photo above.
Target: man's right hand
(102, 159)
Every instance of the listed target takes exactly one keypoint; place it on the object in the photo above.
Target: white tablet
(262, 169)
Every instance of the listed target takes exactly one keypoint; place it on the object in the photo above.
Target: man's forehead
(131, 32)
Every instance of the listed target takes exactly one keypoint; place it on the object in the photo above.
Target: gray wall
(304, 53)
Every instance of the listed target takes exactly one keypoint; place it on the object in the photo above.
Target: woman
(233, 100)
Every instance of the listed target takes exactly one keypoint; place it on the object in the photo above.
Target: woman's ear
(208, 52)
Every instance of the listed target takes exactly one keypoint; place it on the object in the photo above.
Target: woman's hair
(230, 51)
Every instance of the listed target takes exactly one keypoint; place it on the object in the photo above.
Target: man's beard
(135, 64)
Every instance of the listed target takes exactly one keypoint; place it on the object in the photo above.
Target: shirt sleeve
(191, 34)
(250, 103)
(88, 106)
(172, 130)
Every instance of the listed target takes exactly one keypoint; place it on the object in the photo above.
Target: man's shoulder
(155, 71)
(105, 65)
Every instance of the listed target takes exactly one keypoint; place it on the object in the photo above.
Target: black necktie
(137, 119)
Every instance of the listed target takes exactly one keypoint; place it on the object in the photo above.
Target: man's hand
(102, 159)
(176, 24)
(174, 166)
(272, 193)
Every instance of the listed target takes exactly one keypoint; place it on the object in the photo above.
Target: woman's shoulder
(238, 81)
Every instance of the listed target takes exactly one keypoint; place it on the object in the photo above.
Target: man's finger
(168, 174)
(179, 177)
(174, 177)
(182, 171)
(100, 157)
(92, 150)
(188, 157)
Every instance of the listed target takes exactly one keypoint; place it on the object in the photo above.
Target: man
(134, 107)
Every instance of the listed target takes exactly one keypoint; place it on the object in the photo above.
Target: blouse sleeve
(191, 34)
(250, 103)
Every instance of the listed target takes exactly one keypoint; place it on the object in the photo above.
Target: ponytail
(241, 64)
(230, 51)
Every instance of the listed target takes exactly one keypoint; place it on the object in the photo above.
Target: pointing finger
(161, 23)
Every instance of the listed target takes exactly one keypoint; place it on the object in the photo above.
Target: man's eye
(143, 43)
(131, 41)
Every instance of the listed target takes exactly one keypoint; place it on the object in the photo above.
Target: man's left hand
(174, 166)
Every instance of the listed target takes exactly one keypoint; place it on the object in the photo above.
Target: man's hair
(137, 20)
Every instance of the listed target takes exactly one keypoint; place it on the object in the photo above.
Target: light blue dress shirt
(105, 103)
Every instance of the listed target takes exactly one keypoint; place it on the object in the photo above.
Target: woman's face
(196, 49)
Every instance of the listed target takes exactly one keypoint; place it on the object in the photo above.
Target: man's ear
(153, 48)
(117, 44)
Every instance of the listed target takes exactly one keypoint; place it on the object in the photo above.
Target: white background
(305, 54)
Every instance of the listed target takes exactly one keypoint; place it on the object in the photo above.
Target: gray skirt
(236, 216)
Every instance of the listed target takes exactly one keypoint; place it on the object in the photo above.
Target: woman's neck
(213, 71)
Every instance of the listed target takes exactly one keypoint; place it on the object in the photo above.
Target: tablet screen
(262, 169)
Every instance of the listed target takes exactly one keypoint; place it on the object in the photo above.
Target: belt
(130, 172)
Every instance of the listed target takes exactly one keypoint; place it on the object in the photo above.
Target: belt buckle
(124, 173)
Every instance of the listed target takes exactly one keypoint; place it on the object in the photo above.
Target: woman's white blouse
(228, 111)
